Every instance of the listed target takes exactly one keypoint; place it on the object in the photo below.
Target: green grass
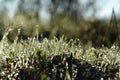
(22, 59)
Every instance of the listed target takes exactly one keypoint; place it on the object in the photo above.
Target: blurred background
(94, 22)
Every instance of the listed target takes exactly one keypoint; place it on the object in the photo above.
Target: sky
(106, 8)
(12, 8)
(44, 14)
(104, 11)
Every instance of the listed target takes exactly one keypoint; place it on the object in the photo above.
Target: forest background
(94, 22)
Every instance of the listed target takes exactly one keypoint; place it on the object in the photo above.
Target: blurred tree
(113, 31)
(21, 7)
(3, 9)
(29, 8)
(66, 7)
(54, 6)
(91, 5)
(74, 8)
(37, 3)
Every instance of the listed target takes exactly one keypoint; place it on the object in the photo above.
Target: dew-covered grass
(56, 59)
